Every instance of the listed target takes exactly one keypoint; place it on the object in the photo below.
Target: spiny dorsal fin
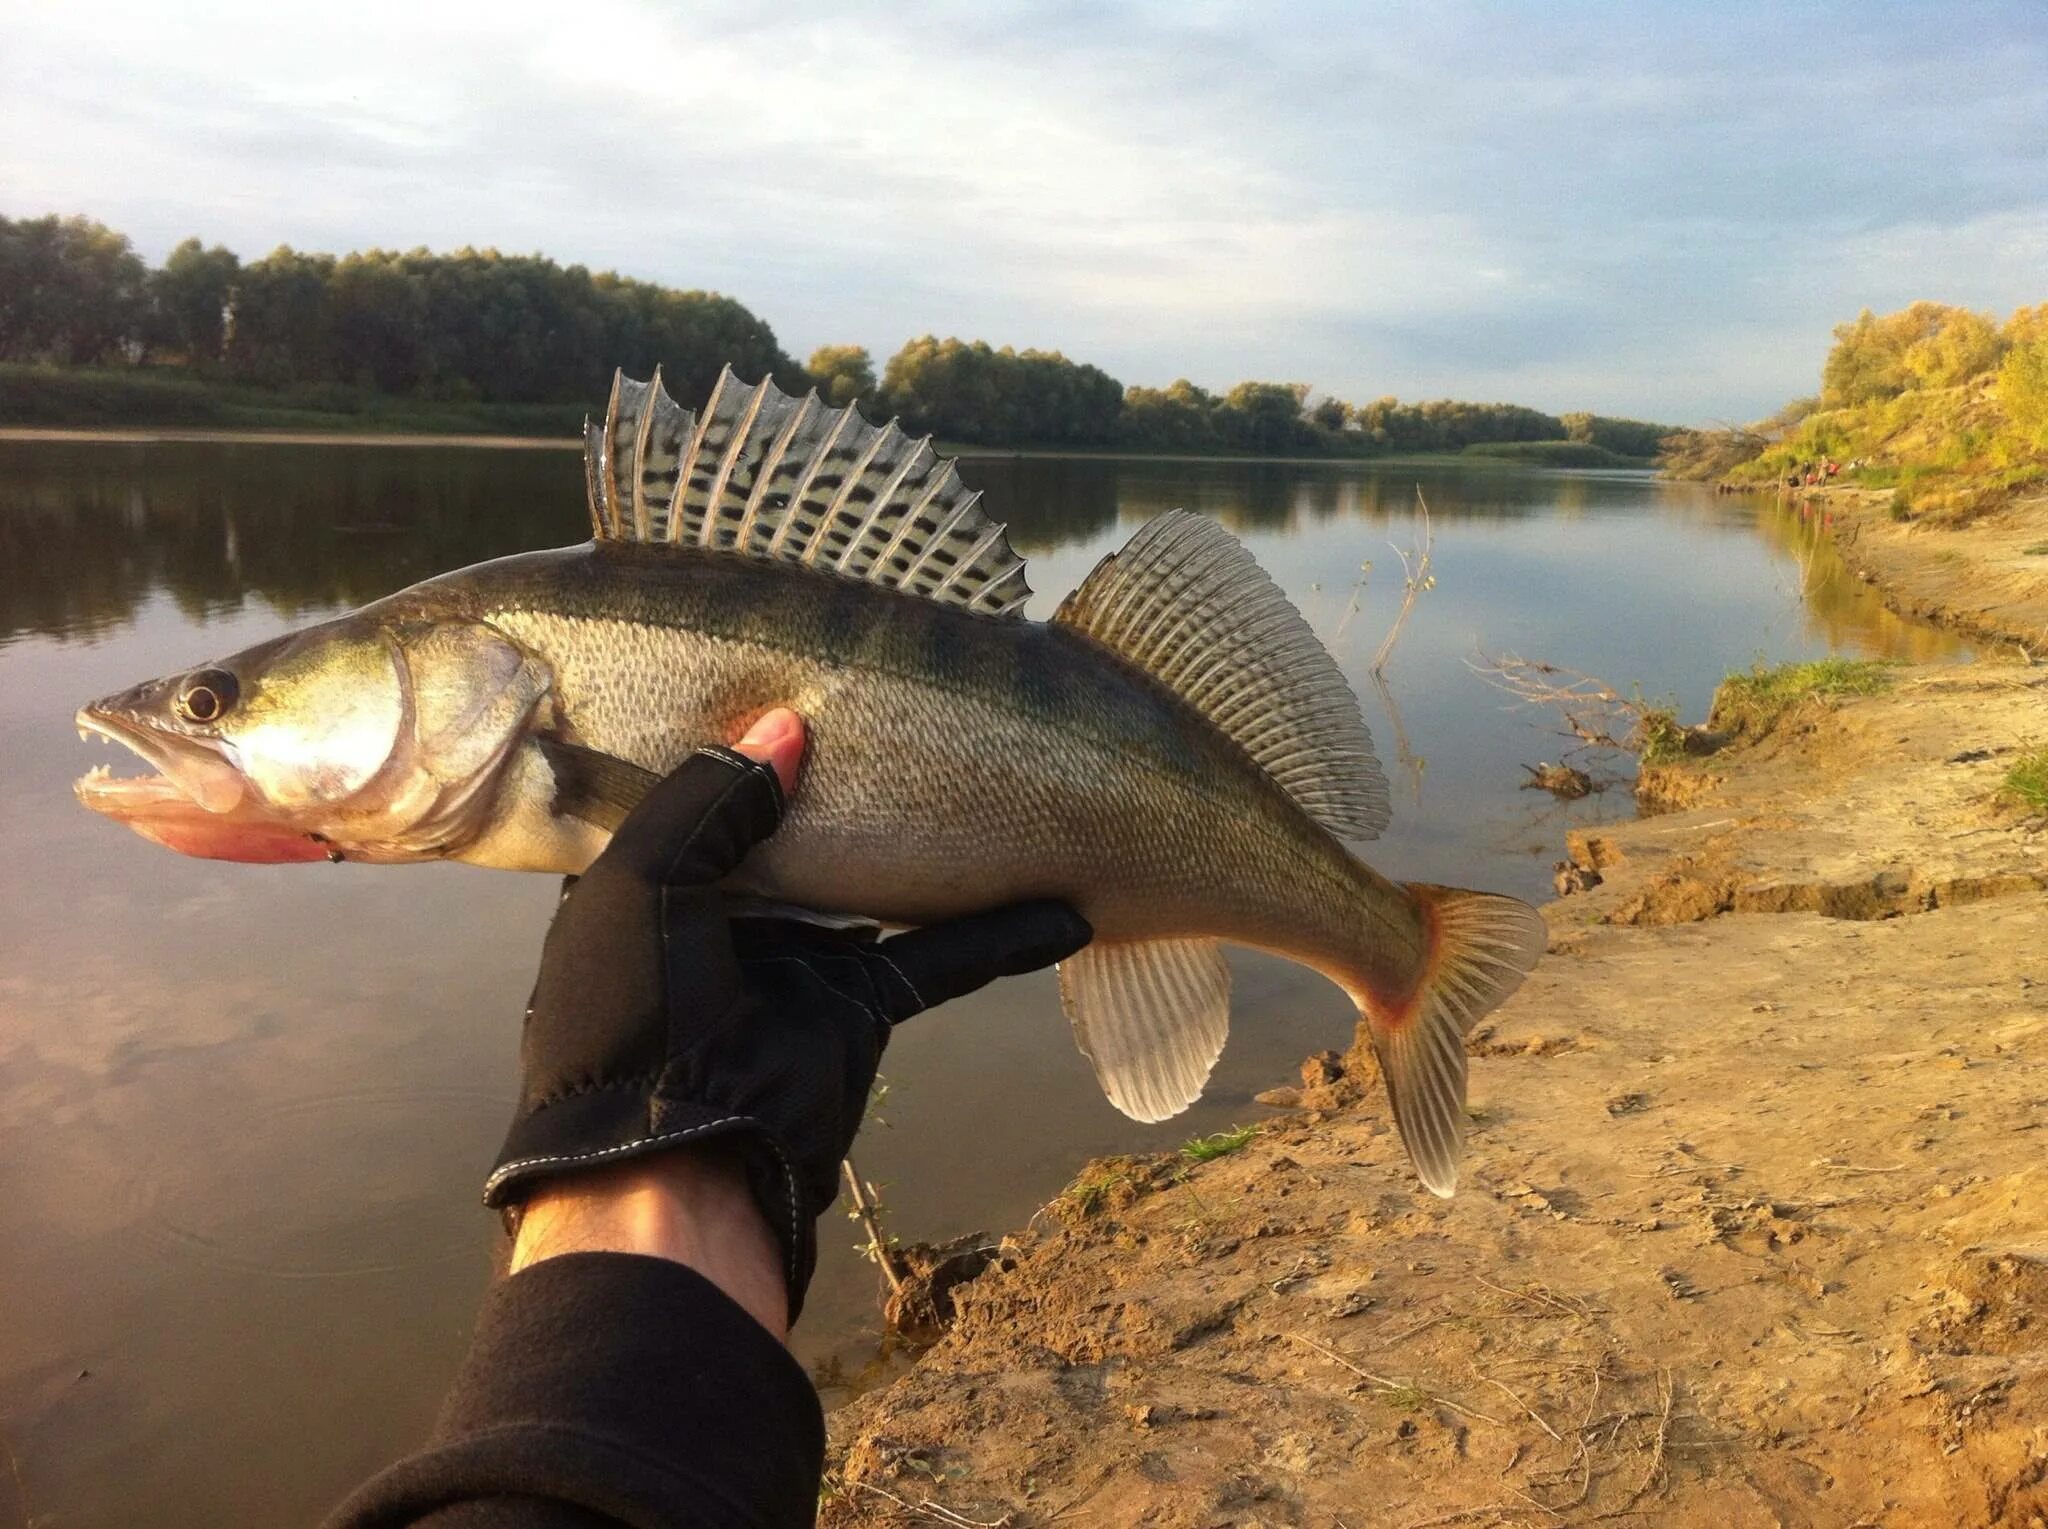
(766, 475)
(1188, 605)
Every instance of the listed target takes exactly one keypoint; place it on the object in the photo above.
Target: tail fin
(1480, 948)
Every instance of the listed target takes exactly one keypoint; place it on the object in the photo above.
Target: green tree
(71, 290)
(379, 319)
(842, 373)
(190, 297)
(1266, 417)
(281, 318)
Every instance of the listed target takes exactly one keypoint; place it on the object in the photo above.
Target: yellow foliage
(2023, 386)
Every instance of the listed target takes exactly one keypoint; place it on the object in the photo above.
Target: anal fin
(1151, 1016)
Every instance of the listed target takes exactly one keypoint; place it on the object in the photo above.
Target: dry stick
(1416, 577)
(1351, 610)
(1657, 1447)
(878, 1245)
(1534, 1415)
(1593, 712)
(1395, 1385)
(1458, 1514)
(938, 1513)
(1535, 1293)
(1402, 751)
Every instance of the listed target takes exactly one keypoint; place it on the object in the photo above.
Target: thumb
(945, 960)
(776, 739)
(696, 824)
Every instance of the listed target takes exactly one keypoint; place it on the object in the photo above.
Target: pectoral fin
(598, 788)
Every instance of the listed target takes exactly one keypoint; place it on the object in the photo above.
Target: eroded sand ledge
(1754, 1227)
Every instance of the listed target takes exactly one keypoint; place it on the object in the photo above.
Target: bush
(2026, 783)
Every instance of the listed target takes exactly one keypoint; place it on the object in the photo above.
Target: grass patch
(2027, 781)
(2039, 549)
(1089, 1193)
(1405, 1397)
(1660, 736)
(1752, 704)
(121, 397)
(1206, 1149)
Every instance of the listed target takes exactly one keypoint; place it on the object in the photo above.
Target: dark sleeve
(607, 1389)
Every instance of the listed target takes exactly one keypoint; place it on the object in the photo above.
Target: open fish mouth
(192, 801)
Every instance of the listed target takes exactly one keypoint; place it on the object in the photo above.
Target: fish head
(360, 739)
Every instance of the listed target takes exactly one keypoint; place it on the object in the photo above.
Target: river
(245, 1111)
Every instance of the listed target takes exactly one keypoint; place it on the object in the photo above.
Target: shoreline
(1751, 1219)
(1982, 578)
(146, 435)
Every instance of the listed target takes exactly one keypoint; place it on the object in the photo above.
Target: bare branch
(880, 1247)
(1415, 578)
(1592, 711)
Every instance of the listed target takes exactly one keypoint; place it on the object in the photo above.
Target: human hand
(659, 1023)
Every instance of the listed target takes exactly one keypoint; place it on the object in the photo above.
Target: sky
(1653, 209)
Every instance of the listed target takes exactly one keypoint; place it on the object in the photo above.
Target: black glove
(657, 1021)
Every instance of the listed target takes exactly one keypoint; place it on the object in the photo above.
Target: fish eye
(206, 696)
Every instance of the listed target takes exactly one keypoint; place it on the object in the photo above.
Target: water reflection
(90, 531)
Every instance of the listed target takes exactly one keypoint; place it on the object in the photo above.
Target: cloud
(1653, 209)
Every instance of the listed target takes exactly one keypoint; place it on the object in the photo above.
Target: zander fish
(1174, 752)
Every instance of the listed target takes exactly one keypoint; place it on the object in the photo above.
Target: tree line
(523, 329)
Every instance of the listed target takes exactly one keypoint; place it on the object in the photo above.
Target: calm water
(244, 1111)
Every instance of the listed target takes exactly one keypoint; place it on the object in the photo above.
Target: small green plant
(1752, 704)
(1659, 735)
(2027, 781)
(1405, 1397)
(1086, 1195)
(1206, 1149)
(2039, 549)
(1901, 505)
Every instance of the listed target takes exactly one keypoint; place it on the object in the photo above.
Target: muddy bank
(1987, 577)
(1753, 1231)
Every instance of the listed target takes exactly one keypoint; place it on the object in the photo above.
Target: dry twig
(1415, 578)
(1593, 711)
(1395, 1386)
(879, 1248)
(937, 1513)
(1535, 1416)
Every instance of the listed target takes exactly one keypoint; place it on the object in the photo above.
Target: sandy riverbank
(1754, 1228)
(1988, 577)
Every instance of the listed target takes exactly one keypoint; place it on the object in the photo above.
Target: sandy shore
(1754, 1226)
(1988, 578)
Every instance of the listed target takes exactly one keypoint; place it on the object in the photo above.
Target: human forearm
(690, 1207)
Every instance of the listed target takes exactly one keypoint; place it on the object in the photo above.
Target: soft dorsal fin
(766, 475)
(1188, 605)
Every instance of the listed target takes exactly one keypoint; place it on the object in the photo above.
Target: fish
(1174, 752)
